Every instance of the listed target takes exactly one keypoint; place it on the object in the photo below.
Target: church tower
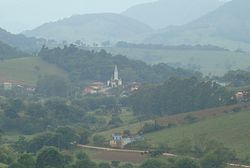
(115, 80)
(116, 74)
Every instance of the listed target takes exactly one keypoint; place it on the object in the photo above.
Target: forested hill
(7, 52)
(178, 96)
(21, 42)
(90, 65)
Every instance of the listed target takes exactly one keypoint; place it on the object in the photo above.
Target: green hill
(206, 61)
(8, 52)
(91, 28)
(162, 13)
(27, 70)
(228, 26)
(21, 42)
(231, 129)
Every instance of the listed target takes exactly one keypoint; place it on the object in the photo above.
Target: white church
(115, 81)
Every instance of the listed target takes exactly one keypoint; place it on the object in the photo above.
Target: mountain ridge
(228, 26)
(95, 27)
(163, 13)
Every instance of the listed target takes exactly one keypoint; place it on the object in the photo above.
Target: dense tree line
(52, 157)
(37, 115)
(27, 44)
(7, 52)
(123, 44)
(236, 78)
(179, 95)
(85, 65)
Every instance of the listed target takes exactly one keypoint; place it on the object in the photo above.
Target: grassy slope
(231, 129)
(214, 62)
(3, 165)
(22, 70)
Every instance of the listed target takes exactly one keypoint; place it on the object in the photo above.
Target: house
(95, 87)
(120, 141)
(241, 96)
(7, 86)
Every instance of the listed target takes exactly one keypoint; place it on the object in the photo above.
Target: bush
(99, 140)
(140, 145)
(149, 127)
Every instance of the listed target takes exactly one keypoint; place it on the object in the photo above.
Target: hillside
(231, 129)
(85, 65)
(91, 28)
(207, 61)
(228, 26)
(163, 13)
(27, 70)
(218, 124)
(20, 41)
(8, 52)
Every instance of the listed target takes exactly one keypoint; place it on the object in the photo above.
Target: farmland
(231, 129)
(27, 70)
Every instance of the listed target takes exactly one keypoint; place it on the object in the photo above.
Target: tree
(66, 137)
(104, 165)
(21, 145)
(25, 161)
(152, 163)
(7, 154)
(99, 140)
(53, 85)
(83, 161)
(13, 108)
(115, 121)
(126, 165)
(115, 163)
(217, 156)
(186, 163)
(49, 156)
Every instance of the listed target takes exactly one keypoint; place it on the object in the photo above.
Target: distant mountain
(8, 52)
(92, 28)
(21, 42)
(228, 26)
(163, 13)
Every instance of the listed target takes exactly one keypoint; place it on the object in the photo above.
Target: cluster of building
(120, 141)
(10, 85)
(242, 96)
(114, 82)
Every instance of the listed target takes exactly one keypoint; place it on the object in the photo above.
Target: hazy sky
(19, 15)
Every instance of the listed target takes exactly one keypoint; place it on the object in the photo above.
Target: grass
(209, 62)
(3, 165)
(27, 70)
(231, 129)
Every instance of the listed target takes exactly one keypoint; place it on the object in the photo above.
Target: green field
(208, 62)
(231, 129)
(27, 70)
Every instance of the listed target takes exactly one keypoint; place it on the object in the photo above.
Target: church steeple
(116, 74)
(115, 80)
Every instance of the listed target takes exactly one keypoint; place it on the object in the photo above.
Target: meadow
(27, 70)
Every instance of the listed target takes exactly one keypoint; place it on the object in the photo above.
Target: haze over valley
(125, 84)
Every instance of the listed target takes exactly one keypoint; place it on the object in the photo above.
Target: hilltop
(163, 13)
(228, 26)
(20, 41)
(91, 28)
(8, 52)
